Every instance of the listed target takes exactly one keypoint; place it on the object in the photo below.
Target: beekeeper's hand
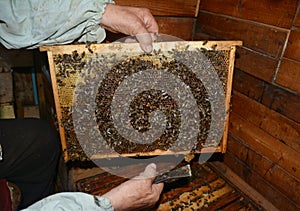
(131, 21)
(137, 193)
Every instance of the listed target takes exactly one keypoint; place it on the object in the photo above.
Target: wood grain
(257, 162)
(248, 85)
(166, 8)
(277, 198)
(293, 47)
(263, 143)
(23, 87)
(6, 87)
(57, 106)
(17, 58)
(289, 74)
(179, 27)
(274, 97)
(175, 26)
(225, 172)
(256, 64)
(275, 124)
(277, 13)
(258, 37)
(267, 169)
(282, 101)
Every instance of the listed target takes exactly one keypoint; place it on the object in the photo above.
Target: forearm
(32, 23)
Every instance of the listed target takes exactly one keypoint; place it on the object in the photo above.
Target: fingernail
(152, 165)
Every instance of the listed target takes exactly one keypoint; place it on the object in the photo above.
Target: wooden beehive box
(75, 67)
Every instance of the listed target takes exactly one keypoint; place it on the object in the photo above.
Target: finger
(145, 41)
(130, 40)
(151, 25)
(150, 22)
(149, 172)
(154, 36)
(157, 188)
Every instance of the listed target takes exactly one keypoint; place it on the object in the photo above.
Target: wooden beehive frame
(53, 51)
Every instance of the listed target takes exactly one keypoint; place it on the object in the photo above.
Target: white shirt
(71, 201)
(32, 23)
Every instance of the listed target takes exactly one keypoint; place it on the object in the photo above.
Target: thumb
(145, 41)
(149, 172)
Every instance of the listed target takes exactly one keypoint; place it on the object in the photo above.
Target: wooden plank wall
(264, 136)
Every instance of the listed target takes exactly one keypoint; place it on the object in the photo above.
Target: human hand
(131, 21)
(137, 193)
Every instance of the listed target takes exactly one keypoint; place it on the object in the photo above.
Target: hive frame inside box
(89, 50)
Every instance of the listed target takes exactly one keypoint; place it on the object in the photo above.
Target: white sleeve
(69, 201)
(32, 23)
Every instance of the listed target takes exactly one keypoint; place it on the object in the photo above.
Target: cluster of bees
(68, 65)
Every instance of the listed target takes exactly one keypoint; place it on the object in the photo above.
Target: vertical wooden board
(228, 97)
(178, 27)
(167, 7)
(261, 38)
(255, 64)
(277, 13)
(277, 198)
(46, 103)
(57, 106)
(248, 85)
(289, 74)
(292, 50)
(282, 101)
(275, 124)
(23, 87)
(44, 88)
(6, 87)
(263, 143)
